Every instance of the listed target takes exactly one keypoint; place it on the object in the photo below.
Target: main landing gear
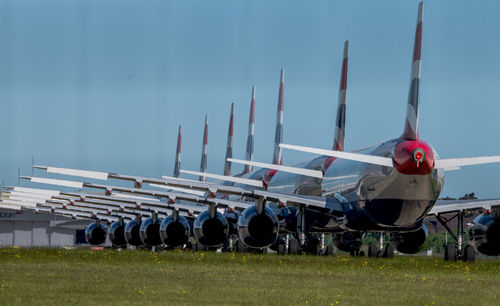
(310, 243)
(313, 244)
(457, 251)
(380, 249)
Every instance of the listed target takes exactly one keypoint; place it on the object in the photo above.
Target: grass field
(58, 276)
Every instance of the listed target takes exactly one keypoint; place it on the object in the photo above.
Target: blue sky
(103, 85)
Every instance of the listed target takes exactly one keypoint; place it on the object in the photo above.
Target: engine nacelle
(132, 235)
(95, 233)
(174, 232)
(150, 231)
(348, 241)
(258, 230)
(485, 235)
(409, 242)
(211, 231)
(116, 233)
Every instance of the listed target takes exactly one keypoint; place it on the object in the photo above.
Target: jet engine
(116, 233)
(348, 241)
(409, 242)
(132, 235)
(485, 235)
(149, 231)
(211, 229)
(95, 233)
(174, 231)
(258, 229)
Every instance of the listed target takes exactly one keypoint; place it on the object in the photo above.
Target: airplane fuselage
(375, 197)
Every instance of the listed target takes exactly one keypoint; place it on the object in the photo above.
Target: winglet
(203, 165)
(278, 138)
(229, 146)
(251, 131)
(411, 121)
(177, 167)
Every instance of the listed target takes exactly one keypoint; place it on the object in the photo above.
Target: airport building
(26, 228)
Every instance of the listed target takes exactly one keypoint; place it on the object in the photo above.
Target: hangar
(27, 229)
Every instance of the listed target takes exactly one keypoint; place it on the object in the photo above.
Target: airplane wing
(96, 205)
(210, 198)
(291, 199)
(63, 212)
(117, 201)
(60, 208)
(185, 184)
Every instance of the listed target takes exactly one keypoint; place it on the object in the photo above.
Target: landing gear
(240, 246)
(450, 253)
(457, 251)
(350, 242)
(312, 245)
(372, 250)
(380, 249)
(322, 245)
(228, 245)
(282, 244)
(281, 249)
(294, 247)
(329, 250)
(301, 226)
(381, 241)
(389, 251)
(469, 253)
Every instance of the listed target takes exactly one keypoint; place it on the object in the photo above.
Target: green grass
(58, 276)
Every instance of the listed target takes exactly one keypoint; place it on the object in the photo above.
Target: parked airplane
(387, 188)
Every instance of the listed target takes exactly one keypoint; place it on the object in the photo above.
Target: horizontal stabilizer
(364, 158)
(233, 179)
(301, 171)
(456, 163)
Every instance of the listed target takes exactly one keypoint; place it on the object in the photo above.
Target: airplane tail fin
(177, 167)
(229, 147)
(251, 131)
(411, 122)
(338, 141)
(278, 138)
(203, 165)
